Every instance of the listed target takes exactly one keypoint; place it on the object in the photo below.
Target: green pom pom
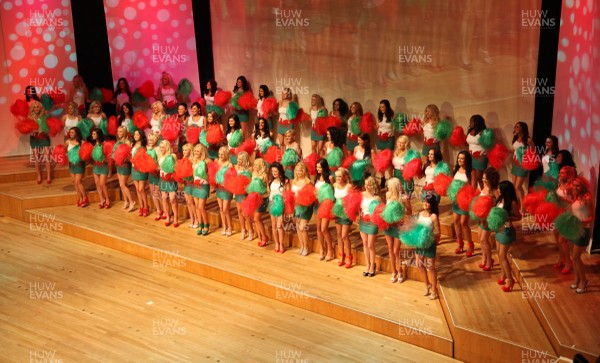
(292, 110)
(202, 138)
(152, 154)
(214, 108)
(220, 177)
(276, 208)
(443, 130)
(256, 186)
(374, 203)
(325, 192)
(454, 188)
(487, 139)
(553, 171)
(354, 126)
(441, 168)
(357, 169)
(137, 97)
(552, 197)
(519, 153)
(410, 155)
(236, 138)
(300, 210)
(322, 113)
(96, 95)
(393, 212)
(339, 210)
(200, 170)
(569, 226)
(103, 125)
(264, 147)
(97, 153)
(400, 121)
(496, 219)
(546, 183)
(47, 102)
(168, 164)
(290, 157)
(43, 125)
(334, 158)
(234, 100)
(73, 155)
(185, 87)
(85, 126)
(246, 173)
(420, 236)
(131, 128)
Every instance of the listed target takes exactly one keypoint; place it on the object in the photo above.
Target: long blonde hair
(371, 182)
(303, 166)
(125, 131)
(393, 193)
(189, 147)
(262, 167)
(243, 161)
(435, 117)
(33, 115)
(344, 173)
(154, 139)
(167, 146)
(202, 156)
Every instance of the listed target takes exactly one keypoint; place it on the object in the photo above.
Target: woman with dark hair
(263, 94)
(209, 94)
(332, 139)
(385, 131)
(426, 256)
(564, 158)
(77, 170)
(549, 158)
(78, 93)
(491, 178)
(362, 152)
(340, 110)
(139, 178)
(278, 183)
(356, 113)
(478, 153)
(213, 120)
(233, 124)
(434, 157)
(324, 177)
(262, 136)
(241, 86)
(100, 170)
(31, 94)
(317, 113)
(582, 208)
(195, 119)
(122, 93)
(462, 172)
(507, 235)
(125, 117)
(521, 140)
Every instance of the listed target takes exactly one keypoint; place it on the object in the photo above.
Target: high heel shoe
(101, 205)
(486, 268)
(107, 204)
(159, 216)
(501, 281)
(471, 249)
(575, 285)
(581, 291)
(243, 237)
(131, 207)
(482, 265)
(427, 290)
(558, 265)
(508, 287)
(566, 271)
(250, 236)
(460, 249)
(342, 262)
(433, 296)
(349, 262)
(85, 202)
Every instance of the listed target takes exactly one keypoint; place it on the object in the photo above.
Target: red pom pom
(533, 200)
(269, 106)
(376, 217)
(383, 160)
(140, 120)
(248, 146)
(107, 148)
(301, 116)
(482, 206)
(85, 151)
(212, 169)
(497, 155)
(20, 108)
(367, 123)
(107, 95)
(54, 126)
(122, 154)
(192, 134)
(143, 162)
(307, 195)
(311, 163)
(546, 212)
(413, 127)
(59, 155)
(441, 184)
(236, 184)
(352, 204)
(465, 195)
(348, 160)
(531, 159)
(113, 125)
(202, 103)
(147, 89)
(251, 204)
(288, 201)
(273, 154)
(214, 134)
(458, 137)
(413, 169)
(325, 210)
(26, 126)
(247, 101)
(184, 169)
(324, 123)
(170, 129)
(222, 98)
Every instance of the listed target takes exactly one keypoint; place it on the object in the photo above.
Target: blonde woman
(368, 229)
(39, 141)
(407, 186)
(430, 121)
(124, 171)
(166, 92)
(289, 142)
(392, 233)
(98, 117)
(284, 124)
(356, 113)
(201, 189)
(71, 118)
(158, 116)
(260, 169)
(317, 109)
(188, 189)
(243, 167)
(341, 188)
(154, 178)
(168, 186)
(301, 178)
(223, 196)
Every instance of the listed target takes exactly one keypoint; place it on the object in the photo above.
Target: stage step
(22, 169)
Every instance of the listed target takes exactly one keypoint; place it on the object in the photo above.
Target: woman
(212, 120)
(154, 178)
(317, 111)
(195, 118)
(168, 186)
(262, 136)
(323, 235)
(290, 143)
(31, 95)
(564, 192)
(408, 186)
(303, 214)
(392, 233)
(430, 122)
(122, 94)
(462, 172)
(242, 86)
(78, 94)
(385, 130)
(182, 118)
(70, 119)
(201, 189)
(368, 229)
(223, 196)
(77, 170)
(582, 208)
(243, 167)
(39, 141)
(260, 169)
(277, 185)
(98, 117)
(490, 178)
(263, 94)
(188, 188)
(341, 188)
(549, 157)
(520, 140)
(478, 154)
(233, 140)
(333, 140)
(434, 158)
(356, 113)
(426, 256)
(284, 124)
(125, 118)
(158, 116)
(166, 93)
(124, 171)
(564, 158)
(139, 179)
(100, 171)
(209, 94)
(508, 200)
(362, 152)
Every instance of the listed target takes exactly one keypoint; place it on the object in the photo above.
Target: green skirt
(39, 141)
(213, 152)
(124, 170)
(281, 129)
(153, 179)
(351, 144)
(304, 213)
(506, 235)
(585, 238)
(427, 252)
(480, 162)
(243, 116)
(168, 186)
(314, 136)
(516, 170)
(100, 169)
(201, 191)
(263, 207)
(343, 221)
(77, 168)
(188, 188)
(457, 210)
(392, 231)
(239, 198)
(138, 175)
(368, 227)
(223, 194)
(385, 145)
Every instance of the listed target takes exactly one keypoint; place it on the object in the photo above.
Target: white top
(517, 144)
(580, 210)
(260, 141)
(328, 150)
(79, 97)
(340, 193)
(429, 175)
(210, 100)
(398, 162)
(70, 146)
(69, 123)
(275, 189)
(364, 205)
(282, 113)
(359, 154)
(313, 116)
(168, 96)
(96, 120)
(319, 184)
(546, 163)
(423, 219)
(155, 124)
(160, 161)
(202, 181)
(295, 189)
(385, 127)
(127, 122)
(199, 123)
(461, 176)
(473, 142)
(228, 136)
(428, 131)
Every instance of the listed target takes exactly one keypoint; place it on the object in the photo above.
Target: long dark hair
(143, 138)
(236, 125)
(433, 204)
(326, 174)
(265, 128)
(367, 144)
(33, 95)
(122, 115)
(492, 177)
(118, 89)
(567, 159)
(78, 136)
(265, 91)
(186, 115)
(554, 149)
(468, 164)
(335, 134)
(508, 195)
(437, 155)
(478, 124)
(525, 132)
(282, 178)
(213, 88)
(99, 138)
(197, 104)
(245, 85)
(389, 113)
(344, 109)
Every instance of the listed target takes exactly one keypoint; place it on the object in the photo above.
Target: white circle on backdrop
(22, 29)
(129, 57)
(68, 47)
(144, 24)
(35, 52)
(141, 5)
(19, 15)
(13, 37)
(8, 5)
(16, 88)
(69, 73)
(119, 42)
(190, 44)
(130, 13)
(7, 78)
(50, 61)
(111, 24)
(18, 52)
(73, 57)
(51, 47)
(182, 7)
(3, 100)
(41, 71)
(111, 3)
(137, 35)
(561, 56)
(23, 72)
(163, 15)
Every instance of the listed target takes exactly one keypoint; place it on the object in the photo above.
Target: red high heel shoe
(101, 205)
(471, 250)
(460, 249)
(141, 214)
(159, 216)
(509, 287)
(349, 262)
(168, 223)
(501, 281)
(482, 265)
(485, 268)
(107, 204)
(85, 202)
(342, 259)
